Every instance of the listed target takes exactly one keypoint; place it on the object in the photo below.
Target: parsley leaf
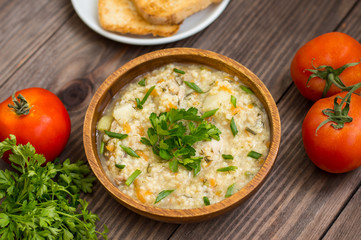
(39, 202)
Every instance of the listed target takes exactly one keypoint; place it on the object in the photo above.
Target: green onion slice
(115, 135)
(234, 101)
(132, 177)
(193, 86)
(229, 191)
(233, 127)
(254, 155)
(225, 156)
(209, 113)
(130, 151)
(226, 169)
(178, 71)
(120, 166)
(162, 195)
(206, 201)
(246, 89)
(101, 150)
(142, 82)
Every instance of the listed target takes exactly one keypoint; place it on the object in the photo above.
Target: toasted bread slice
(170, 11)
(121, 16)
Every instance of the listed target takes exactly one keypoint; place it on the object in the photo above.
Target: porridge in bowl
(183, 136)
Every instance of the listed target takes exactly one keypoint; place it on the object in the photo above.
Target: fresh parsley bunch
(173, 134)
(42, 202)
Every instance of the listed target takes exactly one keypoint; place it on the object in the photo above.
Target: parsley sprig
(173, 134)
(42, 202)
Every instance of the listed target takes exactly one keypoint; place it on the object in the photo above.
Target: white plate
(87, 10)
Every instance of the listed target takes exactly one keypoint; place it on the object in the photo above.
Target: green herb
(254, 155)
(141, 103)
(229, 191)
(130, 151)
(250, 131)
(43, 202)
(233, 127)
(206, 201)
(115, 135)
(173, 165)
(162, 195)
(142, 82)
(209, 113)
(248, 174)
(234, 101)
(132, 177)
(225, 156)
(120, 166)
(246, 89)
(101, 149)
(193, 86)
(226, 169)
(173, 134)
(178, 71)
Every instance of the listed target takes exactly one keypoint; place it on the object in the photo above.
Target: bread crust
(170, 11)
(121, 16)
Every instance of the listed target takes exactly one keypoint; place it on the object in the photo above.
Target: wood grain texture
(25, 26)
(347, 225)
(55, 50)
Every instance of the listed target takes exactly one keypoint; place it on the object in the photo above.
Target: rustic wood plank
(25, 26)
(347, 225)
(297, 201)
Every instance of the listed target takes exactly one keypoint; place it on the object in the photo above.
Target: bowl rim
(181, 215)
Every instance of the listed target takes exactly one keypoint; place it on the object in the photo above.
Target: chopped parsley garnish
(141, 103)
(234, 101)
(162, 195)
(206, 201)
(229, 191)
(130, 151)
(233, 127)
(226, 169)
(132, 177)
(178, 71)
(115, 135)
(209, 113)
(193, 86)
(225, 156)
(142, 82)
(246, 89)
(173, 134)
(254, 155)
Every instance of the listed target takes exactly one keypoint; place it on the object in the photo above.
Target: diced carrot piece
(236, 110)
(141, 131)
(268, 143)
(229, 78)
(212, 182)
(224, 88)
(250, 106)
(110, 148)
(170, 106)
(208, 119)
(218, 193)
(154, 93)
(143, 155)
(160, 81)
(127, 127)
(246, 132)
(138, 191)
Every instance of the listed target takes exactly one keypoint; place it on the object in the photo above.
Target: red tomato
(333, 49)
(46, 126)
(333, 150)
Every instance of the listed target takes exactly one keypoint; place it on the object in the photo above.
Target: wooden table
(45, 44)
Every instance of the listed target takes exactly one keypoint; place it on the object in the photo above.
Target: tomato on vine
(36, 115)
(325, 64)
(331, 132)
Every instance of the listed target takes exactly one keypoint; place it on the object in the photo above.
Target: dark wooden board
(45, 44)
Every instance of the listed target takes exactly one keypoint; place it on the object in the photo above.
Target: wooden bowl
(147, 63)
